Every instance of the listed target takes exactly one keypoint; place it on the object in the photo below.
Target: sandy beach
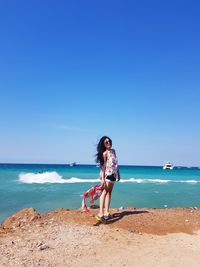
(133, 237)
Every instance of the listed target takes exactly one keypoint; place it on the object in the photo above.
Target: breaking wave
(157, 181)
(54, 177)
(50, 177)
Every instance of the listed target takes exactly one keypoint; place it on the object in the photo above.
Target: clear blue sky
(72, 71)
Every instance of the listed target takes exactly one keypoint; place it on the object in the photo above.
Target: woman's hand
(103, 182)
(118, 176)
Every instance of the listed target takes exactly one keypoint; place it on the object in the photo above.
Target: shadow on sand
(118, 216)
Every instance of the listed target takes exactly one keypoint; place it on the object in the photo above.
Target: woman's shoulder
(105, 153)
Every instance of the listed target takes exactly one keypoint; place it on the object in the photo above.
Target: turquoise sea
(47, 187)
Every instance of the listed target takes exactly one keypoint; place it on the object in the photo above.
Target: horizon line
(91, 164)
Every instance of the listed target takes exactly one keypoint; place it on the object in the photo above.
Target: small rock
(194, 208)
(186, 220)
(121, 208)
(94, 206)
(44, 246)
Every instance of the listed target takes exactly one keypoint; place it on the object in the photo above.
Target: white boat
(72, 164)
(168, 166)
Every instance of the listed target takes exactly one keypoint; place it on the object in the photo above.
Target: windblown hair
(100, 149)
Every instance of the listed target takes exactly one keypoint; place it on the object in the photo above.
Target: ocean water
(47, 187)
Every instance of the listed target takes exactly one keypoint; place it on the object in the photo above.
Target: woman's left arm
(118, 175)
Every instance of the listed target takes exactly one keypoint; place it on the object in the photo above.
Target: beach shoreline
(133, 237)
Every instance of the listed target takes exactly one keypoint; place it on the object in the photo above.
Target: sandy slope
(134, 237)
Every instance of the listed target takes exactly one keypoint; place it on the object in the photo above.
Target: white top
(112, 163)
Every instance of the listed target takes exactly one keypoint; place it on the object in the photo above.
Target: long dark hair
(100, 149)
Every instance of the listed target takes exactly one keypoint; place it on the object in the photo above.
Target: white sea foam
(50, 177)
(157, 181)
(189, 181)
(78, 180)
(54, 177)
(40, 178)
(139, 181)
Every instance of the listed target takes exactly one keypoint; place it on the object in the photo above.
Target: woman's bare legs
(102, 202)
(105, 199)
(109, 187)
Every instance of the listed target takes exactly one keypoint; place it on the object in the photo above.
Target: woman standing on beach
(106, 157)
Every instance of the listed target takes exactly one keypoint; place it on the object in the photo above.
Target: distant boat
(72, 164)
(168, 166)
